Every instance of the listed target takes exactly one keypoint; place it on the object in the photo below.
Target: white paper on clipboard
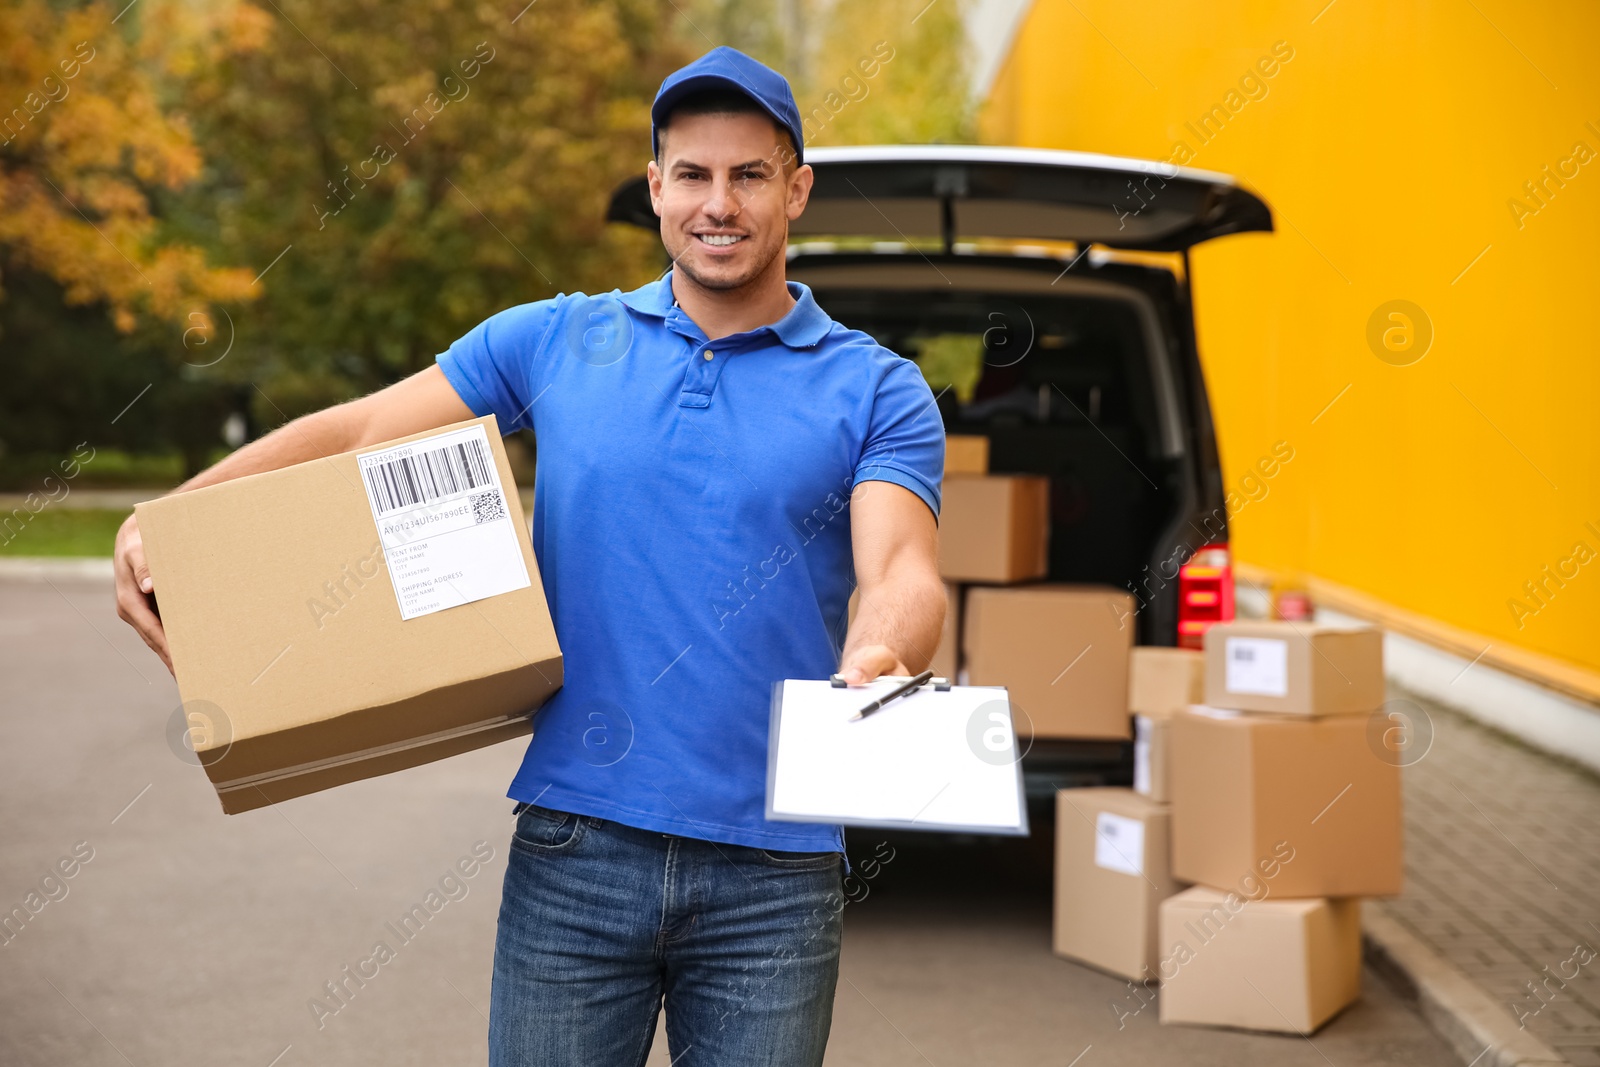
(930, 760)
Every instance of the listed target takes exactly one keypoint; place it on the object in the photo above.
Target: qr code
(487, 507)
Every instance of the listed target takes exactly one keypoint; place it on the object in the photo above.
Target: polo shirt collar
(804, 326)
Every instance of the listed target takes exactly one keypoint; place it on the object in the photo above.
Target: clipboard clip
(938, 685)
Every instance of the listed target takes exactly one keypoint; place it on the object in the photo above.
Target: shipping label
(447, 533)
(1119, 843)
(1257, 665)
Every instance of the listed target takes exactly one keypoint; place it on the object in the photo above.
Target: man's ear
(652, 174)
(799, 191)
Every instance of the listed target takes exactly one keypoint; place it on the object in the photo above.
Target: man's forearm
(321, 433)
(905, 614)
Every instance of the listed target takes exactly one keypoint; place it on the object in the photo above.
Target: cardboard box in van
(354, 615)
(1163, 680)
(1061, 650)
(994, 527)
(966, 453)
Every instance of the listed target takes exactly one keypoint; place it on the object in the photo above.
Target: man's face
(724, 202)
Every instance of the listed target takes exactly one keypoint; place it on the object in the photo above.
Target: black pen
(900, 691)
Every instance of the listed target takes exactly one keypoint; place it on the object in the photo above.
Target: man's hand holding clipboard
(909, 752)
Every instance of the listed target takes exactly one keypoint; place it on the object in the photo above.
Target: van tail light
(1205, 593)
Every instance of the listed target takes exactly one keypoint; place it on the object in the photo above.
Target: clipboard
(942, 757)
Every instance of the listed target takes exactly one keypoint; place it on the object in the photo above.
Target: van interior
(1066, 380)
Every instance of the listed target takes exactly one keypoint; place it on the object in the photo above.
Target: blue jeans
(600, 923)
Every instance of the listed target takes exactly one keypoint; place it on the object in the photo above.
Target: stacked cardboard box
(994, 527)
(1278, 965)
(1276, 804)
(1061, 650)
(1107, 909)
(1284, 814)
(1161, 683)
(1113, 868)
(967, 455)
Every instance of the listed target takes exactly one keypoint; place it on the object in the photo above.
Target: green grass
(58, 531)
(111, 468)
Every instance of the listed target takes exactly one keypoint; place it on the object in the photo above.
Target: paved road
(187, 937)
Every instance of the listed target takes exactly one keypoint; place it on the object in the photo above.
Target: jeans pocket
(797, 861)
(546, 830)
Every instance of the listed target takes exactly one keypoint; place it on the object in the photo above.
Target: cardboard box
(285, 597)
(966, 454)
(945, 657)
(1286, 966)
(1112, 873)
(1061, 650)
(1152, 744)
(994, 528)
(1163, 681)
(1304, 805)
(1294, 668)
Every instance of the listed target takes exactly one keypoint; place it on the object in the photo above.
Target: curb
(52, 568)
(1475, 1025)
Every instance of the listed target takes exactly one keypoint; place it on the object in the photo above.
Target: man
(714, 455)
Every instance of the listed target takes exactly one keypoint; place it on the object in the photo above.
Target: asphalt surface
(190, 937)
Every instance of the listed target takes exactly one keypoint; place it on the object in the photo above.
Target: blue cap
(729, 68)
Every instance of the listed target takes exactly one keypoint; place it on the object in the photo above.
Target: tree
(884, 72)
(83, 137)
(402, 173)
(99, 302)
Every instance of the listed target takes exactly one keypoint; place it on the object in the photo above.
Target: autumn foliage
(280, 204)
(84, 137)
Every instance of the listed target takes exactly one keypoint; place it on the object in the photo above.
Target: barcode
(426, 476)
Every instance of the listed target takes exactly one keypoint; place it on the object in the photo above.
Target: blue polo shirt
(692, 526)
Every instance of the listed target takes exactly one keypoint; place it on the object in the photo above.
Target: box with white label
(1112, 871)
(355, 615)
(1294, 668)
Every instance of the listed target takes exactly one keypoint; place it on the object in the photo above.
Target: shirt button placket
(700, 380)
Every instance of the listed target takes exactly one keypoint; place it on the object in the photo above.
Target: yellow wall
(1390, 147)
